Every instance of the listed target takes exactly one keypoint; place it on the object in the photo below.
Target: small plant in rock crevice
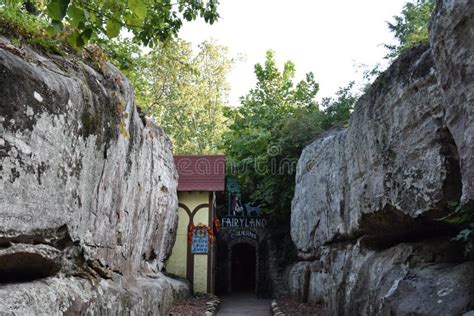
(462, 215)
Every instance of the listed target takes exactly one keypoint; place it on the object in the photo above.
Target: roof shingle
(200, 172)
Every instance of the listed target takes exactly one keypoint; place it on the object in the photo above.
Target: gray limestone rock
(369, 198)
(393, 165)
(424, 278)
(78, 296)
(87, 190)
(451, 39)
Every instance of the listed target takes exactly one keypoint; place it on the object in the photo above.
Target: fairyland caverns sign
(244, 234)
(244, 222)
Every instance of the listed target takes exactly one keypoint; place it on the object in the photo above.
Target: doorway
(243, 267)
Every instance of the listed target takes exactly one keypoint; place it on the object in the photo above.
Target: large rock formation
(88, 204)
(368, 198)
(452, 43)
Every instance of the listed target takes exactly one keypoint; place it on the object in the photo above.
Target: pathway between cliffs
(244, 304)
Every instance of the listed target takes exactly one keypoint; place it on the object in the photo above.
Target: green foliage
(19, 25)
(149, 21)
(189, 94)
(462, 215)
(134, 63)
(337, 111)
(269, 130)
(253, 139)
(183, 91)
(411, 26)
(57, 9)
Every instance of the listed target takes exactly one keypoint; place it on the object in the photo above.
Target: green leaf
(107, 5)
(72, 39)
(51, 30)
(79, 42)
(55, 27)
(112, 28)
(76, 16)
(92, 17)
(86, 35)
(139, 8)
(133, 21)
(57, 9)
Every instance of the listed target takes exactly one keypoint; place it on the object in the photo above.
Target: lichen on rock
(81, 204)
(369, 199)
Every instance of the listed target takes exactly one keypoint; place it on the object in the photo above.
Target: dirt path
(244, 304)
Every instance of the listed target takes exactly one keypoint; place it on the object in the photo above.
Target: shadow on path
(244, 304)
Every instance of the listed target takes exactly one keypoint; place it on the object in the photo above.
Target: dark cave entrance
(244, 263)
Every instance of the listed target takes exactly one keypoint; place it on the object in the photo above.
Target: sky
(331, 38)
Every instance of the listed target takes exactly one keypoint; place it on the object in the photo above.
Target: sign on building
(243, 222)
(200, 242)
(244, 234)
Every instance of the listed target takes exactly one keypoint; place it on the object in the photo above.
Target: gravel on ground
(291, 307)
(193, 306)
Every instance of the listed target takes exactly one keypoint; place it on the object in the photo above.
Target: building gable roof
(200, 172)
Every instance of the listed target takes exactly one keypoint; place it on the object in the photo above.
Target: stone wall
(368, 198)
(88, 205)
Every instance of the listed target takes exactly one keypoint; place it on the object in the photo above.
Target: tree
(188, 94)
(252, 143)
(276, 120)
(411, 26)
(185, 93)
(149, 21)
(337, 111)
(295, 133)
(134, 63)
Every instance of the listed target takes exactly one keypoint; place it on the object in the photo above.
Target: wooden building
(193, 255)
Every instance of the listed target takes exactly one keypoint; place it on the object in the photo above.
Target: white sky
(329, 38)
